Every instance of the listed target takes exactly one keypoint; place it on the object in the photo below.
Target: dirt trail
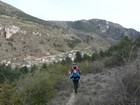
(71, 100)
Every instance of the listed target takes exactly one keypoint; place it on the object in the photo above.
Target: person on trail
(75, 76)
(74, 67)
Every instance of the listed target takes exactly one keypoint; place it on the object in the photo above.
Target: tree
(95, 56)
(102, 54)
(78, 57)
(86, 57)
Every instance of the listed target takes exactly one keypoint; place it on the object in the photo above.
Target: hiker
(75, 76)
(74, 67)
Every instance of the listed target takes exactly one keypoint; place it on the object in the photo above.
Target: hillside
(24, 36)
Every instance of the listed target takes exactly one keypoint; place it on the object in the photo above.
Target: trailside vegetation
(34, 86)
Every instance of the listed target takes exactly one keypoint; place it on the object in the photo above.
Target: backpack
(77, 68)
(75, 75)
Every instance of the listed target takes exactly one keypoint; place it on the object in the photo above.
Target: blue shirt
(75, 76)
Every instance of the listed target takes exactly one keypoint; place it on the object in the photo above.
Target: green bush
(8, 74)
(36, 90)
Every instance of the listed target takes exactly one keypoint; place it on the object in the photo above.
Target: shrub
(36, 90)
(85, 67)
(8, 74)
(6, 93)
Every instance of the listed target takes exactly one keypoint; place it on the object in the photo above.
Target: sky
(123, 12)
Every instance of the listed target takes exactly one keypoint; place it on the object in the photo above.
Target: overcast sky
(124, 12)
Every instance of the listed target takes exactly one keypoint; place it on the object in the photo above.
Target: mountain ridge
(101, 27)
